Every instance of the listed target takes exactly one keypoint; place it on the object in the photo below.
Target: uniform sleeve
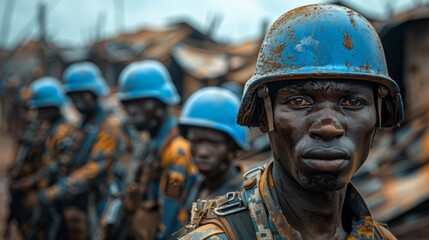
(106, 149)
(178, 177)
(55, 148)
(209, 232)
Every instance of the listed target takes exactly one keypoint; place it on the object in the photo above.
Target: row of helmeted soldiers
(110, 177)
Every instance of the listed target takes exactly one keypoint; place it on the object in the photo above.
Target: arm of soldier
(38, 179)
(58, 149)
(113, 220)
(180, 173)
(209, 232)
(177, 179)
(105, 150)
(48, 168)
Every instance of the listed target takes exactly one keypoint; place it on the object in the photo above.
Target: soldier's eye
(351, 102)
(299, 101)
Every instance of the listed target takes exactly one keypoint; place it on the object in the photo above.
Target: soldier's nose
(201, 150)
(326, 129)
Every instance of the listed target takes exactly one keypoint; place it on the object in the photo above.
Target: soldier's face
(209, 149)
(85, 102)
(49, 114)
(322, 131)
(145, 113)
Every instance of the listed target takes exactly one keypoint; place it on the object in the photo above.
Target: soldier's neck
(90, 117)
(214, 183)
(158, 124)
(316, 215)
(52, 121)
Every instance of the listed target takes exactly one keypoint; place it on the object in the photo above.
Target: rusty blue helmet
(147, 79)
(322, 41)
(214, 108)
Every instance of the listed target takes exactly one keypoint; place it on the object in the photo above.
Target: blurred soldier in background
(162, 173)
(41, 143)
(320, 89)
(207, 120)
(80, 194)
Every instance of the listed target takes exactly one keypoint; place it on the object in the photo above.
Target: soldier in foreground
(320, 90)
(207, 120)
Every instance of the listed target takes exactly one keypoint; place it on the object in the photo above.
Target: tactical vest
(237, 216)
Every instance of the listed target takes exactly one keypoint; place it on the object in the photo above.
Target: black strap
(89, 140)
(241, 225)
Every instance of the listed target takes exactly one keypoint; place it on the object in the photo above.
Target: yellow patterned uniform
(75, 178)
(30, 176)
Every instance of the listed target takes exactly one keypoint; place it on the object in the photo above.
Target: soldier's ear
(263, 122)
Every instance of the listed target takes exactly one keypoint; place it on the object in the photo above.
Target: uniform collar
(100, 115)
(362, 222)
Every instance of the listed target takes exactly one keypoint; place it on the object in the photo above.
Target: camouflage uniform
(81, 190)
(230, 186)
(256, 211)
(169, 185)
(28, 177)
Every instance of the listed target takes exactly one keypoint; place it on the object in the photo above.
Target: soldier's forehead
(321, 83)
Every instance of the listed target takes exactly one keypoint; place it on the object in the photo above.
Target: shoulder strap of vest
(87, 143)
(229, 212)
(381, 232)
(238, 214)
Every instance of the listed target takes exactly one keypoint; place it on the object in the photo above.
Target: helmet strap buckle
(382, 93)
(263, 93)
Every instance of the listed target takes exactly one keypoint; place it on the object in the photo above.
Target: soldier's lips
(323, 159)
(204, 165)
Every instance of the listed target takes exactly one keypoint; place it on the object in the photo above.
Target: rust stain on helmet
(271, 63)
(348, 65)
(367, 67)
(277, 50)
(352, 21)
(347, 43)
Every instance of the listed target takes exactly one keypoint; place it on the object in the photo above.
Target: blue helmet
(85, 76)
(322, 41)
(46, 92)
(214, 108)
(234, 87)
(147, 79)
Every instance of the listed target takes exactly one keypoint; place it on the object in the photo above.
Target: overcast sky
(73, 22)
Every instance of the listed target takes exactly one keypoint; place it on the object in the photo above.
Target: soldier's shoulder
(181, 145)
(208, 231)
(65, 128)
(177, 152)
(112, 126)
(111, 121)
(63, 133)
(208, 217)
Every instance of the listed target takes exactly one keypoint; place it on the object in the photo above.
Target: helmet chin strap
(263, 93)
(382, 93)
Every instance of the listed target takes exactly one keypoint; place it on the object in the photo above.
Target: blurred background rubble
(393, 179)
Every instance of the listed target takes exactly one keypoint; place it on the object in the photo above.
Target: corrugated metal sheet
(201, 63)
